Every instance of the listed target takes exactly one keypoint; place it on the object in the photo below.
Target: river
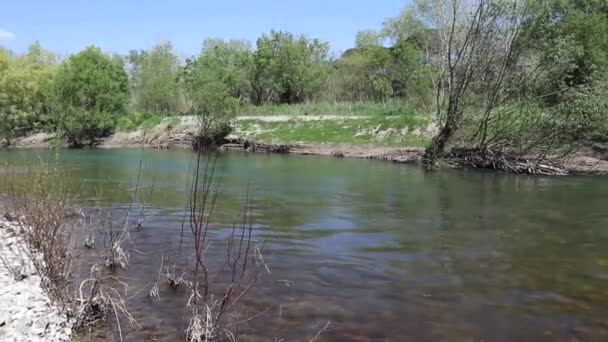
(382, 251)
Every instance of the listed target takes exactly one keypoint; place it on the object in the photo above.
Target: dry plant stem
(103, 297)
(320, 332)
(41, 203)
(207, 313)
(200, 212)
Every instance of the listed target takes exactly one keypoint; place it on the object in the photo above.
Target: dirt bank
(180, 133)
(400, 155)
(35, 140)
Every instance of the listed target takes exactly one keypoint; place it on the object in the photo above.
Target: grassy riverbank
(404, 130)
(391, 123)
(400, 138)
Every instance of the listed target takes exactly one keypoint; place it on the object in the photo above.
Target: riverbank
(26, 313)
(397, 139)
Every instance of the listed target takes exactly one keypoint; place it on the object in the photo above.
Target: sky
(67, 26)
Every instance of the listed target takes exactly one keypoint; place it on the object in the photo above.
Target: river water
(381, 251)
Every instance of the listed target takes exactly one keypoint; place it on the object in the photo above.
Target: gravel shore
(26, 313)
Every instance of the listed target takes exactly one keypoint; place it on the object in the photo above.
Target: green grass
(331, 108)
(372, 130)
(136, 120)
(386, 124)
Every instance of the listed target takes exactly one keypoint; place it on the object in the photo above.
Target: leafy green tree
(363, 74)
(90, 93)
(368, 39)
(416, 49)
(209, 99)
(232, 61)
(410, 77)
(289, 68)
(25, 82)
(571, 35)
(154, 79)
(372, 71)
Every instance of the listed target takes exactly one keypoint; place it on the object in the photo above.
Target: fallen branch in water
(506, 161)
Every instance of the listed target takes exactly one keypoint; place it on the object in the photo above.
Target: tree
(371, 71)
(363, 74)
(25, 81)
(571, 37)
(209, 99)
(479, 51)
(487, 68)
(91, 92)
(289, 69)
(367, 39)
(154, 79)
(233, 63)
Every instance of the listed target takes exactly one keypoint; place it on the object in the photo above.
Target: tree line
(492, 73)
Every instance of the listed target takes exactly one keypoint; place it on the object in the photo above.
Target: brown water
(384, 252)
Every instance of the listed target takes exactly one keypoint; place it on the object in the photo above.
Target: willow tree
(477, 52)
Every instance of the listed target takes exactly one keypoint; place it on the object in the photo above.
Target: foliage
(362, 108)
(24, 90)
(289, 68)
(154, 79)
(367, 39)
(363, 74)
(571, 35)
(90, 94)
(372, 71)
(232, 61)
(138, 120)
(584, 113)
(208, 96)
(493, 73)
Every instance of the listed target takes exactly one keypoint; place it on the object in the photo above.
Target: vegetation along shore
(478, 87)
(104, 239)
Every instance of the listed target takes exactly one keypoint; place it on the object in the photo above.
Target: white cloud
(6, 36)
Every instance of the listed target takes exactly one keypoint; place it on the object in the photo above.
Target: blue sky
(67, 26)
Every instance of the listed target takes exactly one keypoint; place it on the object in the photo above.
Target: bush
(150, 121)
(220, 132)
(584, 113)
(125, 124)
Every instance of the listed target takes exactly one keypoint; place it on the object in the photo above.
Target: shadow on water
(383, 251)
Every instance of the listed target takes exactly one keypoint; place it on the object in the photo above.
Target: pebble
(26, 313)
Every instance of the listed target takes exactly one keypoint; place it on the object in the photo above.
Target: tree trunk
(436, 148)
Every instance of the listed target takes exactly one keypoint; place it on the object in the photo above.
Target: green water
(383, 251)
